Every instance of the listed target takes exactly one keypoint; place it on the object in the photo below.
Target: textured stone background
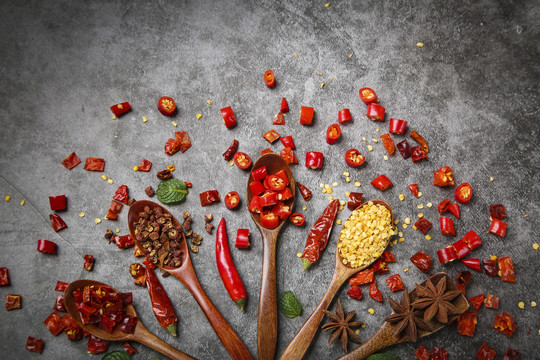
(471, 91)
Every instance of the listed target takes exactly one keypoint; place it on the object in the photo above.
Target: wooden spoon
(267, 318)
(186, 274)
(385, 335)
(303, 338)
(141, 333)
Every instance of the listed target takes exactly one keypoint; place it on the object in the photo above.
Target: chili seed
(533, 303)
(420, 215)
(406, 269)
(405, 226)
(401, 197)
(348, 179)
(535, 246)
(370, 148)
(419, 44)
(341, 207)
(209, 102)
(338, 221)
(144, 119)
(493, 257)
(322, 84)
(374, 140)
(330, 198)
(491, 178)
(377, 129)
(110, 181)
(321, 185)
(97, 220)
(194, 248)
(420, 206)
(521, 305)
(135, 168)
(371, 311)
(346, 173)
(198, 116)
(350, 55)
(304, 208)
(22, 202)
(363, 139)
(419, 194)
(429, 205)
(385, 157)
(428, 237)
(113, 117)
(103, 177)
(414, 227)
(357, 184)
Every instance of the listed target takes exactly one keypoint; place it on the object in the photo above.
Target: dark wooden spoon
(141, 334)
(267, 318)
(385, 335)
(303, 338)
(186, 274)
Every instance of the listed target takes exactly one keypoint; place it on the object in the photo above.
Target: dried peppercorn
(511, 354)
(395, 283)
(374, 291)
(13, 302)
(4, 276)
(57, 222)
(355, 292)
(497, 211)
(304, 191)
(506, 269)
(505, 324)
(422, 261)
(422, 353)
(149, 191)
(485, 353)
(477, 301)
(35, 345)
(362, 277)
(492, 302)
(423, 225)
(439, 353)
(417, 154)
(467, 323)
(354, 200)
(122, 194)
(71, 161)
(490, 267)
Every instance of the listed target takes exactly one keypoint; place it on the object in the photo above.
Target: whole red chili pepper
(319, 234)
(306, 193)
(161, 304)
(57, 222)
(231, 150)
(229, 275)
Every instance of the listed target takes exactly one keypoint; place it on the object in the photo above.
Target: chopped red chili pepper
(444, 177)
(285, 194)
(54, 323)
(463, 277)
(443, 206)
(284, 106)
(129, 348)
(422, 261)
(231, 150)
(497, 211)
(467, 323)
(279, 119)
(463, 193)
(259, 173)
(266, 151)
(447, 226)
(439, 354)
(414, 189)
(61, 286)
(166, 106)
(228, 117)
(271, 136)
(353, 158)
(355, 292)
(422, 353)
(232, 199)
(333, 133)
(472, 263)
(71, 161)
(114, 209)
(269, 220)
(388, 143)
(417, 154)
(395, 283)
(269, 78)
(314, 159)
(492, 302)
(145, 165)
(209, 197)
(446, 255)
(183, 138)
(404, 149)
(485, 353)
(304, 191)
(368, 96)
(94, 164)
(97, 345)
(58, 203)
(380, 267)
(88, 262)
(288, 141)
(375, 112)
(130, 323)
(288, 155)
(354, 200)
(172, 146)
(498, 227)
(472, 239)
(382, 183)
(477, 301)
(124, 242)
(297, 219)
(122, 194)
(35, 345)
(423, 225)
(388, 257)
(256, 187)
(268, 198)
(120, 109)
(461, 248)
(46, 246)
(511, 354)
(242, 160)
(397, 126)
(362, 277)
(344, 115)
(60, 303)
(506, 269)
(242, 238)
(490, 267)
(420, 140)
(505, 324)
(374, 291)
(13, 302)
(164, 174)
(454, 209)
(255, 205)
(306, 115)
(281, 210)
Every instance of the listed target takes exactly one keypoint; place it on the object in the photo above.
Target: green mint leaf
(171, 191)
(290, 306)
(383, 356)
(116, 355)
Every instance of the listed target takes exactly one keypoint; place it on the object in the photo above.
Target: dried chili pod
(164, 174)
(161, 304)
(306, 193)
(231, 150)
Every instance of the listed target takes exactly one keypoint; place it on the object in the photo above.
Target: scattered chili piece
(454, 209)
(279, 119)
(477, 301)
(414, 189)
(511, 354)
(255, 205)
(354, 200)
(256, 187)
(259, 173)
(269, 78)
(420, 140)
(498, 227)
(374, 291)
(164, 174)
(423, 225)
(463, 277)
(490, 267)
(94, 164)
(129, 348)
(472, 239)
(242, 160)
(497, 211)
(444, 177)
(35, 345)
(61, 286)
(447, 226)
(422, 353)
(242, 238)
(395, 283)
(124, 242)
(463, 193)
(172, 146)
(183, 138)
(505, 324)
(506, 269)
(446, 255)
(285, 194)
(355, 292)
(97, 345)
(485, 353)
(209, 197)
(297, 219)
(344, 115)
(60, 303)
(58, 203)
(353, 158)
(232, 199)
(120, 109)
(145, 165)
(382, 183)
(288, 141)
(166, 106)
(122, 194)
(231, 150)
(88, 262)
(422, 261)
(368, 96)
(314, 159)
(71, 161)
(472, 263)
(492, 302)
(362, 277)
(375, 112)
(54, 323)
(467, 323)
(397, 126)
(418, 154)
(268, 199)
(388, 256)
(271, 136)
(380, 267)
(161, 304)
(228, 117)
(461, 248)
(439, 353)
(13, 302)
(333, 133)
(388, 143)
(443, 206)
(306, 115)
(284, 106)
(46, 246)
(266, 151)
(269, 220)
(288, 155)
(304, 191)
(114, 209)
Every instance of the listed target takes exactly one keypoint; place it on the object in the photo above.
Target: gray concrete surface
(471, 91)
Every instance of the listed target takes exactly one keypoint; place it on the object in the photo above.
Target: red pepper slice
(269, 78)
(388, 143)
(461, 248)
(35, 345)
(492, 302)
(122, 194)
(288, 155)
(362, 277)
(306, 115)
(271, 136)
(269, 220)
(57, 222)
(422, 261)
(145, 165)
(209, 197)
(58, 203)
(490, 267)
(333, 133)
(497, 211)
(172, 146)
(355, 292)
(242, 160)
(71, 161)
(463, 193)
(439, 354)
(255, 205)
(414, 189)
(279, 119)
(297, 219)
(120, 109)
(395, 283)
(161, 304)
(375, 112)
(130, 322)
(423, 225)
(228, 117)
(472, 239)
(467, 323)
(444, 177)
(61, 286)
(454, 209)
(446, 255)
(114, 209)
(420, 140)
(472, 263)
(53, 322)
(285, 194)
(498, 227)
(353, 158)
(282, 174)
(266, 151)
(417, 154)
(368, 95)
(129, 348)
(97, 345)
(256, 187)
(124, 242)
(314, 159)
(443, 206)
(259, 173)
(231, 150)
(183, 138)
(232, 199)
(422, 353)
(397, 126)
(506, 269)
(380, 267)
(485, 353)
(382, 183)
(354, 200)
(477, 301)
(374, 291)
(511, 354)
(227, 270)
(13, 302)
(344, 115)
(94, 164)
(275, 183)
(404, 149)
(268, 198)
(447, 226)
(304, 191)
(463, 277)
(388, 257)
(166, 106)
(46, 246)
(60, 303)
(88, 262)
(242, 238)
(284, 106)
(288, 141)
(505, 324)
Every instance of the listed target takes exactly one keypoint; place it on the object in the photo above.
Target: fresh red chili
(46, 246)
(268, 198)
(88, 262)
(259, 173)
(423, 225)
(279, 119)
(467, 323)
(269, 220)
(242, 160)
(368, 95)
(420, 140)
(94, 164)
(122, 194)
(120, 109)
(497, 211)
(61, 286)
(183, 138)
(472, 239)
(166, 106)
(228, 117)
(288, 155)
(446, 255)
(354, 200)
(285, 194)
(209, 197)
(124, 242)
(395, 283)
(344, 115)
(288, 141)
(355, 292)
(404, 149)
(506, 269)
(269, 78)
(374, 291)
(58, 203)
(443, 206)
(97, 345)
(71, 161)
(362, 277)
(498, 227)
(284, 106)
(447, 226)
(114, 209)
(231, 150)
(314, 159)
(35, 345)
(242, 238)
(256, 187)
(306, 115)
(129, 348)
(461, 248)
(490, 267)
(388, 143)
(439, 354)
(232, 199)
(422, 353)
(229, 275)
(505, 324)
(304, 191)
(454, 209)
(274, 182)
(382, 183)
(255, 205)
(477, 301)
(266, 151)
(57, 222)
(414, 189)
(161, 304)
(53, 322)
(444, 177)
(333, 133)
(375, 112)
(318, 235)
(472, 263)
(353, 158)
(417, 154)
(511, 354)
(463, 193)
(297, 219)
(397, 126)
(13, 302)
(172, 146)
(422, 261)
(145, 165)
(271, 136)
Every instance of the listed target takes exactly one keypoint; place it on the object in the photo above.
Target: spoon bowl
(141, 334)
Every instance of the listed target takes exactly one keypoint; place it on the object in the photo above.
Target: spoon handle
(267, 318)
(303, 338)
(382, 338)
(144, 336)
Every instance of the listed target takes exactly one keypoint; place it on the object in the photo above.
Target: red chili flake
(492, 302)
(423, 225)
(388, 257)
(380, 267)
(209, 197)
(467, 323)
(172, 146)
(505, 324)
(88, 262)
(271, 136)
(506, 269)
(443, 206)
(71, 161)
(13, 302)
(35, 345)
(511, 354)
(164, 174)
(355, 292)
(129, 348)
(114, 209)
(439, 354)
(394, 283)
(71, 329)
(490, 267)
(145, 165)
(477, 301)
(61, 286)
(4, 276)
(122, 194)
(94, 164)
(183, 138)
(422, 353)
(485, 353)
(422, 261)
(374, 291)
(463, 277)
(97, 345)
(362, 277)
(497, 211)
(60, 303)
(57, 222)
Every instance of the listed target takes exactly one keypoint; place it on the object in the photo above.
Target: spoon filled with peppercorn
(85, 300)
(362, 240)
(270, 195)
(159, 235)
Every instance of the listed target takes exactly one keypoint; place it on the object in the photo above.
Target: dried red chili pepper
(288, 155)
(60, 303)
(423, 225)
(145, 165)
(58, 203)
(182, 137)
(446, 255)
(314, 159)
(288, 141)
(228, 117)
(231, 150)
(88, 262)
(242, 160)
(374, 291)
(318, 235)
(61, 286)
(46, 246)
(53, 322)
(467, 323)
(209, 197)
(444, 177)
(388, 143)
(477, 301)
(463, 193)
(35, 345)
(463, 277)
(13, 302)
(506, 269)
(164, 174)
(492, 302)
(284, 106)
(355, 292)
(404, 149)
(420, 140)
(422, 261)
(161, 304)
(490, 267)
(422, 353)
(439, 353)
(129, 348)
(498, 227)
(472, 263)
(397, 126)
(124, 242)
(353, 158)
(368, 96)
(388, 256)
(395, 283)
(4, 276)
(242, 238)
(97, 345)
(333, 133)
(279, 119)
(269, 78)
(344, 115)
(485, 353)
(382, 183)
(306, 115)
(129, 324)
(417, 154)
(304, 191)
(447, 226)
(380, 267)
(497, 211)
(511, 354)
(271, 136)
(505, 324)
(122, 194)
(71, 161)
(362, 277)
(172, 146)
(114, 209)
(226, 268)
(94, 164)
(120, 109)
(375, 112)
(354, 200)
(443, 206)
(297, 219)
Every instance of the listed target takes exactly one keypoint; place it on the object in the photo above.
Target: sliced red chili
(467, 323)
(444, 177)
(61, 286)
(490, 267)
(269, 220)
(505, 324)
(446, 255)
(395, 283)
(268, 198)
(88, 262)
(71, 161)
(355, 292)
(94, 164)
(60, 303)
(477, 301)
(13, 302)
(57, 222)
(129, 348)
(58, 203)
(397, 126)
(288, 141)
(166, 106)
(228, 117)
(297, 219)
(304, 191)
(242, 238)
(498, 227)
(492, 302)
(485, 353)
(97, 345)
(279, 119)
(506, 269)
(375, 112)
(382, 183)
(114, 209)
(4, 276)
(404, 149)
(463, 193)
(285, 194)
(172, 146)
(209, 197)
(454, 209)
(256, 187)
(232, 199)
(423, 225)
(417, 154)
(414, 190)
(145, 165)
(288, 155)
(497, 211)
(46, 246)
(344, 115)
(124, 242)
(259, 173)
(380, 267)
(388, 143)
(282, 174)
(439, 353)
(183, 138)
(255, 205)
(443, 206)
(333, 133)
(314, 159)
(53, 322)
(353, 158)
(284, 106)
(271, 136)
(35, 345)
(422, 353)
(511, 354)
(422, 261)
(374, 291)
(472, 263)
(420, 140)
(354, 200)
(388, 256)
(306, 115)
(362, 277)
(368, 95)
(447, 226)
(269, 78)
(231, 150)
(120, 109)
(242, 160)
(461, 248)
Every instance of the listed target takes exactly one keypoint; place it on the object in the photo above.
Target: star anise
(436, 300)
(342, 325)
(405, 317)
